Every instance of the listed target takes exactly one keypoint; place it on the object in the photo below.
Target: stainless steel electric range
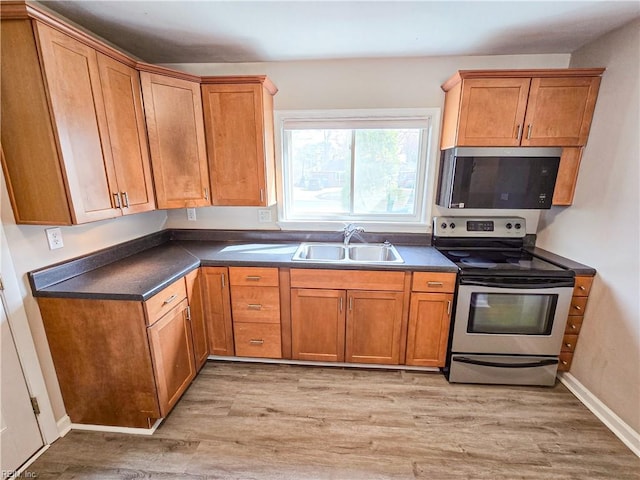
(511, 307)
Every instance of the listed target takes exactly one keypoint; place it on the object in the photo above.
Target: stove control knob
(508, 225)
(452, 225)
(443, 225)
(518, 226)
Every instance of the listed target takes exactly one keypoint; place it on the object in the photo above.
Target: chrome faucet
(349, 231)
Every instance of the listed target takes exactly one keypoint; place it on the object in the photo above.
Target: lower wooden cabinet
(217, 310)
(255, 307)
(374, 325)
(360, 325)
(574, 320)
(428, 334)
(317, 324)
(430, 318)
(197, 317)
(172, 352)
(121, 363)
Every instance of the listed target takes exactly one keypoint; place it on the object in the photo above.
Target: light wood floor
(249, 421)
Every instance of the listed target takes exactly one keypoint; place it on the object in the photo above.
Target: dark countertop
(139, 269)
(137, 277)
(578, 268)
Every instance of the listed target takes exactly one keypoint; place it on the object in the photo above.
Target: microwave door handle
(481, 283)
(541, 363)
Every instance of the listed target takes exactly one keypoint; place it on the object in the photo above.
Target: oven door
(519, 315)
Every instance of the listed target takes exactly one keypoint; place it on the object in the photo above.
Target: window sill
(371, 227)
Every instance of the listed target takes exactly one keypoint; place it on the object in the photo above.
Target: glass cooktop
(515, 260)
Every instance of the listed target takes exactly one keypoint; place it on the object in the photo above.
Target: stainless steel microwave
(487, 177)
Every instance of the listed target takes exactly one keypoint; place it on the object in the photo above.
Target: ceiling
(267, 31)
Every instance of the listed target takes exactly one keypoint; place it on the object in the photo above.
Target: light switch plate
(191, 214)
(54, 237)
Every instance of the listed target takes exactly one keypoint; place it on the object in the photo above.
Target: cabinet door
(217, 309)
(197, 317)
(173, 111)
(559, 111)
(127, 135)
(428, 334)
(492, 111)
(374, 323)
(236, 143)
(317, 324)
(172, 354)
(73, 81)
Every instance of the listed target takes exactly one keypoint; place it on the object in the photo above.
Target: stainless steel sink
(364, 253)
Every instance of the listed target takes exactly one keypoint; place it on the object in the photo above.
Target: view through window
(355, 169)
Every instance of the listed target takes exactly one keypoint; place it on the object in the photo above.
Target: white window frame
(429, 118)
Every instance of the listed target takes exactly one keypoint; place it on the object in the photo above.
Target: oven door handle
(541, 363)
(524, 285)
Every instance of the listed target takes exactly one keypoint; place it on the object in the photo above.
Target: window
(364, 166)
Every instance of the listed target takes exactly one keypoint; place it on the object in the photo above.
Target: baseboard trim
(64, 425)
(620, 429)
(110, 429)
(283, 361)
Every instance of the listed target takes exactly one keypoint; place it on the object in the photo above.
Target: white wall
(601, 229)
(30, 251)
(350, 84)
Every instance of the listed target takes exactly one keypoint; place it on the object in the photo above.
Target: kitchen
(575, 232)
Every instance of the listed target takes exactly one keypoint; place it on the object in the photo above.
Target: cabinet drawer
(578, 305)
(267, 277)
(163, 301)
(433, 282)
(565, 361)
(582, 287)
(574, 323)
(569, 343)
(257, 340)
(255, 304)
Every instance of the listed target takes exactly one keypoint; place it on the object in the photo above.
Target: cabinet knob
(568, 345)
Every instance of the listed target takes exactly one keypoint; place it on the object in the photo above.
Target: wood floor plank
(265, 421)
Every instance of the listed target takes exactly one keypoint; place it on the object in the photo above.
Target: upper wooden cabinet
(73, 138)
(238, 115)
(519, 107)
(173, 109)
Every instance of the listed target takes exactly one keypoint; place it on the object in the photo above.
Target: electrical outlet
(264, 216)
(191, 214)
(54, 237)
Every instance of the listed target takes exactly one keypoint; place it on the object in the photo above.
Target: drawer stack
(255, 303)
(574, 321)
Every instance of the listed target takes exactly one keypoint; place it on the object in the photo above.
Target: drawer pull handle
(582, 287)
(256, 341)
(577, 307)
(254, 306)
(435, 284)
(253, 278)
(573, 327)
(170, 299)
(568, 345)
(564, 362)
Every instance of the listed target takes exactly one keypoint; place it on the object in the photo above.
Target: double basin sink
(339, 253)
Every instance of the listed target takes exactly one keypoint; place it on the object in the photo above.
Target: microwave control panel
(498, 227)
